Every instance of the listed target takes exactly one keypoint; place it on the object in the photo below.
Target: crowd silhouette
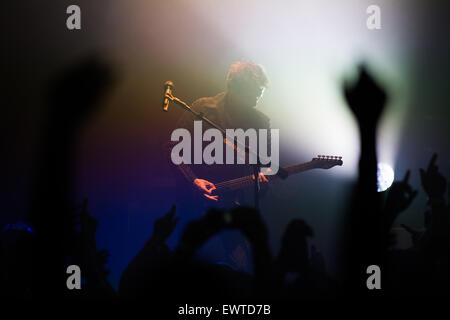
(64, 234)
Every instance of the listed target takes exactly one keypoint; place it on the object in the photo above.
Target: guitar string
(247, 179)
(234, 182)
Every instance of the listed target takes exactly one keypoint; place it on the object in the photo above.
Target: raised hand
(199, 231)
(365, 98)
(433, 182)
(165, 225)
(400, 195)
(399, 198)
(89, 224)
(76, 90)
(247, 220)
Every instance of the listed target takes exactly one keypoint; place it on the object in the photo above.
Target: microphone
(168, 86)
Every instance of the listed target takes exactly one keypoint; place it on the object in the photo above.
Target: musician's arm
(185, 169)
(186, 122)
(188, 173)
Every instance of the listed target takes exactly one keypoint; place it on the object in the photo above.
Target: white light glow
(385, 176)
(307, 48)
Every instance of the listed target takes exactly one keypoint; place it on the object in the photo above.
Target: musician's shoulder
(208, 103)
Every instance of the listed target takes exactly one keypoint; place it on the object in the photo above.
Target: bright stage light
(307, 48)
(385, 176)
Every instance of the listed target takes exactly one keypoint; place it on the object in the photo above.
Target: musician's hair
(243, 74)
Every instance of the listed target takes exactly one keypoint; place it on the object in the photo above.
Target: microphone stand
(282, 173)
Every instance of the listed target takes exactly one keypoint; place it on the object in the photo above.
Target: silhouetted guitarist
(231, 109)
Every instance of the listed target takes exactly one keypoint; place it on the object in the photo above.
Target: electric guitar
(229, 189)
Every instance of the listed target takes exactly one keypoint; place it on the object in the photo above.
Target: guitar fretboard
(247, 181)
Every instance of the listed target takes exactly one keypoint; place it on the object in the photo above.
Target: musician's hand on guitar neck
(208, 187)
(261, 177)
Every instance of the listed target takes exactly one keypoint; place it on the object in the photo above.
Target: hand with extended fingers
(400, 195)
(165, 225)
(433, 182)
(365, 98)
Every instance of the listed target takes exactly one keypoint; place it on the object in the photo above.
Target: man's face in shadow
(245, 96)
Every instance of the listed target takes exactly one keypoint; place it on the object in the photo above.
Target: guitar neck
(297, 168)
(247, 181)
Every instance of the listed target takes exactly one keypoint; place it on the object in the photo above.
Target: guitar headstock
(326, 162)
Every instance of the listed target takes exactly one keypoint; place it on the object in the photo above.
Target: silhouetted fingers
(347, 88)
(171, 213)
(407, 188)
(411, 197)
(432, 162)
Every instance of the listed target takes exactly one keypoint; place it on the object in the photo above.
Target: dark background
(120, 166)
